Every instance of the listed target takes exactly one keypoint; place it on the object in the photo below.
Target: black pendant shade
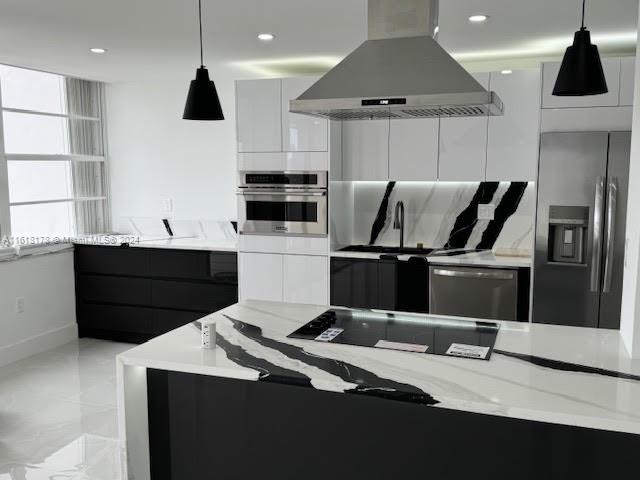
(202, 101)
(581, 71)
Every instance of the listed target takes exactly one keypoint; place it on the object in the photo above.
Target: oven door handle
(284, 194)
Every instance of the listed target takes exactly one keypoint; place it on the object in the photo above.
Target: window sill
(8, 254)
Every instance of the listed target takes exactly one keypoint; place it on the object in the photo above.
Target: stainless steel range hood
(399, 72)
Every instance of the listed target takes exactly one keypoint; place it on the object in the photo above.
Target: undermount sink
(433, 252)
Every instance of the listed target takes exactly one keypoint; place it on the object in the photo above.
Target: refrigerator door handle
(610, 227)
(596, 254)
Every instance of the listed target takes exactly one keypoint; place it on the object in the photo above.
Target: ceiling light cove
(613, 43)
(276, 67)
(98, 50)
(478, 18)
(266, 37)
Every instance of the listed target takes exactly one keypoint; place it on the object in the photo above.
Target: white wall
(630, 317)
(155, 155)
(49, 319)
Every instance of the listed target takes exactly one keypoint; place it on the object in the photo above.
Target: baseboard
(38, 344)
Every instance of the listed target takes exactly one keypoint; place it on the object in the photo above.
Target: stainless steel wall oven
(292, 203)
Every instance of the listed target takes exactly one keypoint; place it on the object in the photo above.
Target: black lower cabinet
(386, 284)
(135, 294)
(203, 427)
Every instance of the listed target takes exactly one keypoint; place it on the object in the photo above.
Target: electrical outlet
(486, 211)
(167, 205)
(19, 304)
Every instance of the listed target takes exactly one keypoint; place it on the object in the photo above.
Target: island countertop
(565, 375)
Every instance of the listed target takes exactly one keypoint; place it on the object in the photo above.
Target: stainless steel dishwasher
(490, 293)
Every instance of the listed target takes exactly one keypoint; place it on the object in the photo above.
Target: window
(52, 166)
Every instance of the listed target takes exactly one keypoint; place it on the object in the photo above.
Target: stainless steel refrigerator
(580, 228)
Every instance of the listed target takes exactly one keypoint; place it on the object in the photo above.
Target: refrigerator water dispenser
(567, 234)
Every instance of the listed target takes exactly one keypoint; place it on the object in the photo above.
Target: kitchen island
(553, 402)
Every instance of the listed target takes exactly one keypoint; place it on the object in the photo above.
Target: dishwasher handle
(501, 275)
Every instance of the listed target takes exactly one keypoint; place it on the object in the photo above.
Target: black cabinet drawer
(112, 260)
(115, 318)
(166, 320)
(202, 297)
(108, 289)
(223, 267)
(196, 265)
(354, 283)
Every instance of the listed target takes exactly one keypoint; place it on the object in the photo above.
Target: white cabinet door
(258, 115)
(306, 279)
(413, 149)
(301, 133)
(627, 76)
(611, 67)
(512, 149)
(260, 276)
(365, 150)
(463, 145)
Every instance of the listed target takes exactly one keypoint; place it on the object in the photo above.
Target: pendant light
(581, 70)
(202, 101)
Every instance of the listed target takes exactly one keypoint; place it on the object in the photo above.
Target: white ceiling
(154, 38)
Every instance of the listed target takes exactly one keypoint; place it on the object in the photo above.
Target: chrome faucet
(398, 222)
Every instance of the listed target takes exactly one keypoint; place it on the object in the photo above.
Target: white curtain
(90, 182)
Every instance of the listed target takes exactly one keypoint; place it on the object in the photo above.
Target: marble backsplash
(444, 214)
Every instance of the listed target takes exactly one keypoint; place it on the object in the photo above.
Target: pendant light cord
(583, 3)
(200, 22)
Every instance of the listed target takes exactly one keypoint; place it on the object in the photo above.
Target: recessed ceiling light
(478, 18)
(266, 37)
(506, 72)
(98, 50)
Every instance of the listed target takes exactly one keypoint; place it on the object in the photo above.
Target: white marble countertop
(486, 259)
(173, 243)
(480, 259)
(597, 386)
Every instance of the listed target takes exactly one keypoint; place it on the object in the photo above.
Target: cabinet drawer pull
(480, 275)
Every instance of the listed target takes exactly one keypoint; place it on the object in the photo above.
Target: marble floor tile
(58, 414)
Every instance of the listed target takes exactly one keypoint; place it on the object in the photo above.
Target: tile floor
(58, 414)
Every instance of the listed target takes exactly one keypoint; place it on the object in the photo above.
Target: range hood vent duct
(399, 72)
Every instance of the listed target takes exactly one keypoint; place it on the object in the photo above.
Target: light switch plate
(486, 211)
(167, 205)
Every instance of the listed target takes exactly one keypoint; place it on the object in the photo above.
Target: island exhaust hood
(399, 72)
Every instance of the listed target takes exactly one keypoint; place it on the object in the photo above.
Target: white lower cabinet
(260, 276)
(306, 279)
(284, 278)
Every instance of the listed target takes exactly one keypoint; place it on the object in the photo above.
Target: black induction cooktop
(411, 333)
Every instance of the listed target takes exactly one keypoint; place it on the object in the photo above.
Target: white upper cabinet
(365, 150)
(413, 149)
(259, 120)
(611, 68)
(512, 149)
(627, 84)
(463, 145)
(306, 279)
(301, 133)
